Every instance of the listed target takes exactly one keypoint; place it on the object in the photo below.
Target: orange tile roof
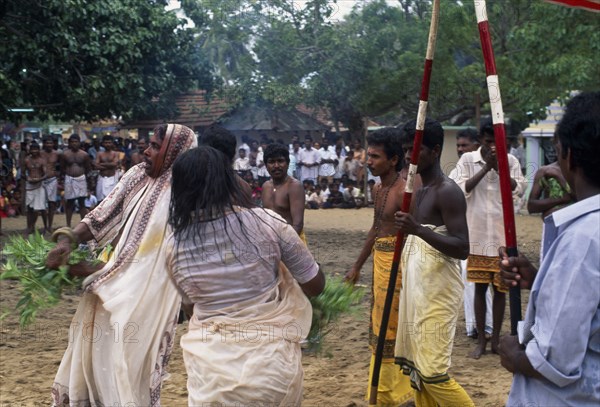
(194, 111)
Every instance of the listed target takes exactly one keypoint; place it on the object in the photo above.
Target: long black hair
(204, 188)
(205, 195)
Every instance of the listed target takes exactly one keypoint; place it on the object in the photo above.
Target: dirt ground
(29, 358)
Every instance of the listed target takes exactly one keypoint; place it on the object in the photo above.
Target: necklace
(283, 183)
(379, 209)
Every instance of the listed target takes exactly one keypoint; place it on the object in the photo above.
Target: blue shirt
(561, 330)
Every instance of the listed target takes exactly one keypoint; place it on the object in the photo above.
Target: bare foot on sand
(494, 344)
(479, 350)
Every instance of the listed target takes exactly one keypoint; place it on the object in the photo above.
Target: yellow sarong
(394, 387)
(431, 295)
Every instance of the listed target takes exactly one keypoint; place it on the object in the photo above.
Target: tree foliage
(82, 59)
(370, 63)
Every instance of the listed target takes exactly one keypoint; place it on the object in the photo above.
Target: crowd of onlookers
(332, 171)
(13, 172)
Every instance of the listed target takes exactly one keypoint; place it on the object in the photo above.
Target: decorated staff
(501, 153)
(412, 171)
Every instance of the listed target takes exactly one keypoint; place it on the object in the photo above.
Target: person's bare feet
(478, 352)
(494, 344)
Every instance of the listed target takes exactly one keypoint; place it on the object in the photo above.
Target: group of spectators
(41, 177)
(332, 173)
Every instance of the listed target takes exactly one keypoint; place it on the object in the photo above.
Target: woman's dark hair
(390, 138)
(204, 188)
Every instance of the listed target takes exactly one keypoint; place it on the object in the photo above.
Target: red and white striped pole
(501, 152)
(412, 171)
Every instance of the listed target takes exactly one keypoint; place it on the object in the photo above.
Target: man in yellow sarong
(384, 158)
(437, 237)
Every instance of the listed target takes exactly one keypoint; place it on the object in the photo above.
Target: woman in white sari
(122, 333)
(243, 270)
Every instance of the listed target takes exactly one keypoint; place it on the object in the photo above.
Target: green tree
(83, 59)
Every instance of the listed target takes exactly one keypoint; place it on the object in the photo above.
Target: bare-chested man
(137, 156)
(75, 165)
(282, 193)
(430, 298)
(107, 162)
(52, 158)
(34, 169)
(384, 159)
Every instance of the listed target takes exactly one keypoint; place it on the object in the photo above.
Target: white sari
(249, 354)
(122, 334)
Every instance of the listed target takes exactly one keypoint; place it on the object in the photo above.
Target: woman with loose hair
(246, 274)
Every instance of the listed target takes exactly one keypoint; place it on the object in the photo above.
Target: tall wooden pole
(501, 153)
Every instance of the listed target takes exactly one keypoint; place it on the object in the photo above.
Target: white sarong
(51, 187)
(35, 196)
(249, 354)
(105, 185)
(75, 187)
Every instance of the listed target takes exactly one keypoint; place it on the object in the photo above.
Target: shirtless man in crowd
(138, 156)
(34, 169)
(107, 162)
(282, 193)
(75, 165)
(52, 158)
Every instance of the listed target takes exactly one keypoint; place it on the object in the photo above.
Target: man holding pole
(556, 358)
(430, 298)
(477, 176)
(384, 159)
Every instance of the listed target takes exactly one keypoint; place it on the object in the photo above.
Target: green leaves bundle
(40, 287)
(336, 299)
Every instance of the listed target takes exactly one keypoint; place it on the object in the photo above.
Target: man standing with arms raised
(74, 166)
(384, 158)
(282, 193)
(477, 176)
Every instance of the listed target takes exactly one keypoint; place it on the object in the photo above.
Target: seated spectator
(352, 196)
(315, 200)
(90, 201)
(15, 204)
(335, 198)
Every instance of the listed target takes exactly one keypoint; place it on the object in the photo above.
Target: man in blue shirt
(556, 356)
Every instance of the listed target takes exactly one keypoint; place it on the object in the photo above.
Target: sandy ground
(338, 377)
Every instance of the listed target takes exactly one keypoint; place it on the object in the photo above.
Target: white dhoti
(469, 304)
(249, 353)
(51, 187)
(429, 304)
(75, 187)
(35, 196)
(105, 185)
